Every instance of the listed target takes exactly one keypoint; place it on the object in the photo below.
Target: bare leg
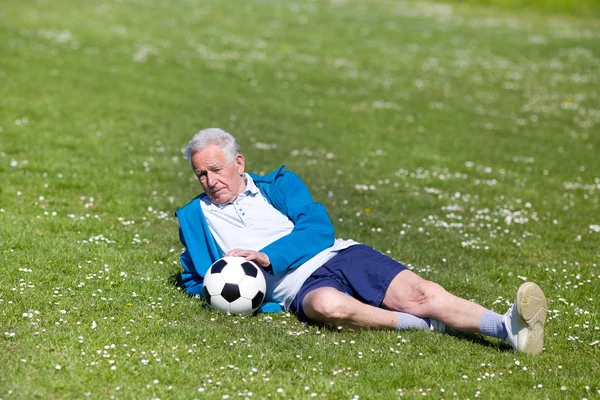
(414, 295)
(407, 293)
(337, 309)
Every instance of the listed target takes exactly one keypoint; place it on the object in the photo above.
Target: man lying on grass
(273, 221)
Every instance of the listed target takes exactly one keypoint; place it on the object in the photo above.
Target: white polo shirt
(251, 223)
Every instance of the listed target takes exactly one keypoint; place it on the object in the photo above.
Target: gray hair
(209, 136)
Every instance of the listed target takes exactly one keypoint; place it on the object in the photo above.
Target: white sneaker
(524, 321)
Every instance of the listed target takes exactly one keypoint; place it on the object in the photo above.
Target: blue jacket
(313, 231)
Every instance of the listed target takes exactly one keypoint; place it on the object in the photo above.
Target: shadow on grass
(482, 341)
(469, 337)
(176, 280)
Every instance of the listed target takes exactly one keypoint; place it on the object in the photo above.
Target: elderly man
(273, 221)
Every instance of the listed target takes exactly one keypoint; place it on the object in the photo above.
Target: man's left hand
(261, 259)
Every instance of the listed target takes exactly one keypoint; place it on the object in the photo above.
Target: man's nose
(211, 179)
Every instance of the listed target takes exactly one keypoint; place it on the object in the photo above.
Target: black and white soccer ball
(234, 285)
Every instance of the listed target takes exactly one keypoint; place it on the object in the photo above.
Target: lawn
(461, 140)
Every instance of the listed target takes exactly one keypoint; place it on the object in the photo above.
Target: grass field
(566, 7)
(463, 141)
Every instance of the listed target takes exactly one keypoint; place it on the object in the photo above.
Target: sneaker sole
(532, 306)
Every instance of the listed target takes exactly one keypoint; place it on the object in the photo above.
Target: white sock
(491, 324)
(409, 321)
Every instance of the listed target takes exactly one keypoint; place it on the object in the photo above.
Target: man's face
(221, 181)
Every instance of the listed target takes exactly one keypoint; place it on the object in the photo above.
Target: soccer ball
(234, 285)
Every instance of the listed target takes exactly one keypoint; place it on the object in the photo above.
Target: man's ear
(240, 163)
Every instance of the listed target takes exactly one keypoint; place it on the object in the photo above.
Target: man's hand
(261, 259)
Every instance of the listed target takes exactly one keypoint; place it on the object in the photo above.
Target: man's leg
(412, 294)
(380, 288)
(522, 326)
(337, 309)
(408, 295)
(415, 296)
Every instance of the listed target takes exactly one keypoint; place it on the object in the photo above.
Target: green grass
(461, 140)
(550, 7)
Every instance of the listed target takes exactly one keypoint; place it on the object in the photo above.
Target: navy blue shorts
(360, 271)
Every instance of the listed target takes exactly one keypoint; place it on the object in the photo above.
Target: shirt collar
(251, 190)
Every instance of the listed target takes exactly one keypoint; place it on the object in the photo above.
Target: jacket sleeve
(190, 280)
(313, 231)
(201, 249)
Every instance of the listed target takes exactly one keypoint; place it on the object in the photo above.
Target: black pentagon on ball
(206, 294)
(258, 299)
(218, 266)
(230, 292)
(249, 269)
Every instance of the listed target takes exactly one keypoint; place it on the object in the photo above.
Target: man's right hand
(261, 259)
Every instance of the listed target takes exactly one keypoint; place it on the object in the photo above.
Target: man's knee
(325, 304)
(425, 292)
